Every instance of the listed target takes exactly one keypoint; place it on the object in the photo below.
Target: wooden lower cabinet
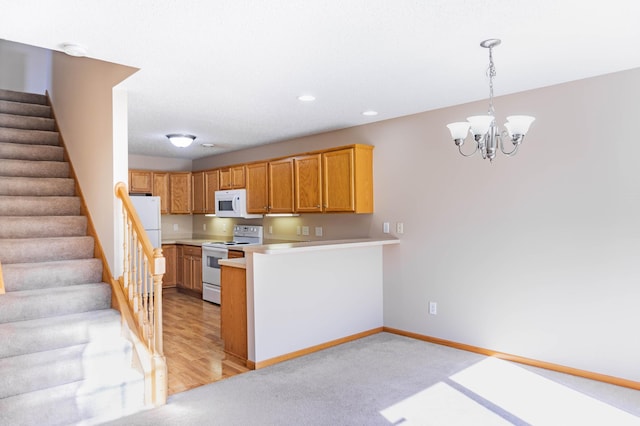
(169, 251)
(233, 311)
(190, 269)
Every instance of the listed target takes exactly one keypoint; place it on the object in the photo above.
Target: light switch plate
(305, 230)
(318, 231)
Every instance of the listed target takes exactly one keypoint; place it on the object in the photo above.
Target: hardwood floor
(192, 344)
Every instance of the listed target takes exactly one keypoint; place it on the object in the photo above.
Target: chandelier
(486, 134)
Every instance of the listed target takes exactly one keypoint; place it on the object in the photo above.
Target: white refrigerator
(148, 209)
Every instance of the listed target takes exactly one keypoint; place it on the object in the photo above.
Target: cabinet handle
(318, 206)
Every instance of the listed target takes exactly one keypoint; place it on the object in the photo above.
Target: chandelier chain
(491, 73)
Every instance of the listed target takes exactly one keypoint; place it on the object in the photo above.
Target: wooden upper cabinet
(198, 193)
(180, 189)
(348, 180)
(161, 189)
(339, 189)
(308, 183)
(232, 177)
(281, 178)
(257, 188)
(211, 185)
(140, 182)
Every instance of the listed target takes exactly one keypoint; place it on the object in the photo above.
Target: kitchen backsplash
(330, 226)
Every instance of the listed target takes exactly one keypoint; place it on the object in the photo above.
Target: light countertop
(278, 246)
(239, 262)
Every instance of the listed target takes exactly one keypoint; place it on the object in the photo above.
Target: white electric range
(213, 251)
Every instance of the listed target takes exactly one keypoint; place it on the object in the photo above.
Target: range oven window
(212, 261)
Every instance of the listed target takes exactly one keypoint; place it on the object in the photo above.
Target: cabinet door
(281, 186)
(211, 185)
(238, 176)
(197, 193)
(161, 189)
(180, 188)
(187, 279)
(179, 268)
(140, 182)
(169, 252)
(308, 183)
(257, 188)
(232, 177)
(338, 190)
(233, 311)
(225, 179)
(196, 273)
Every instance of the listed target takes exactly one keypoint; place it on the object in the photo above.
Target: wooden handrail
(141, 295)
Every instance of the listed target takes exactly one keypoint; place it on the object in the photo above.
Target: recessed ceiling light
(74, 49)
(306, 98)
(370, 113)
(207, 145)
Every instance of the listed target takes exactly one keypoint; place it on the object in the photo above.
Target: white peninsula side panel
(299, 299)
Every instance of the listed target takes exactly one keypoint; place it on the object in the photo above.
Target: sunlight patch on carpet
(536, 399)
(441, 404)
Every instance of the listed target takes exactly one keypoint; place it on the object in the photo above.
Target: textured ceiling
(230, 71)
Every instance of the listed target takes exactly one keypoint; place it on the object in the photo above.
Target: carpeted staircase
(62, 358)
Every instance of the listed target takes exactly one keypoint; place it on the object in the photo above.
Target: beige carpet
(388, 379)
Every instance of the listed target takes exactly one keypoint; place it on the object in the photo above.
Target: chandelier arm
(467, 155)
(509, 153)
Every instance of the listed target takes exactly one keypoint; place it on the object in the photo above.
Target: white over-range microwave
(233, 203)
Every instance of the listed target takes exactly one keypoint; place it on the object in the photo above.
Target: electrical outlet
(400, 228)
(270, 229)
(297, 230)
(204, 226)
(175, 226)
(385, 227)
(318, 231)
(224, 227)
(305, 230)
(433, 308)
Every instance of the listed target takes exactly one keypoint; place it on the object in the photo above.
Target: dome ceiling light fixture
(485, 132)
(181, 140)
(74, 49)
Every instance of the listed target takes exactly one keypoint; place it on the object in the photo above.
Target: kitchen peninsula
(306, 296)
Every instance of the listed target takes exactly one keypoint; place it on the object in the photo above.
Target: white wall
(82, 96)
(24, 68)
(302, 299)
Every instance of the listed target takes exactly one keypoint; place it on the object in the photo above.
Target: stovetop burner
(242, 235)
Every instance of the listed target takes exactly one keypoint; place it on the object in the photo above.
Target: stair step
(41, 370)
(42, 226)
(79, 402)
(26, 109)
(34, 250)
(35, 137)
(32, 304)
(59, 273)
(31, 186)
(39, 206)
(44, 334)
(30, 168)
(19, 151)
(27, 122)
(31, 98)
